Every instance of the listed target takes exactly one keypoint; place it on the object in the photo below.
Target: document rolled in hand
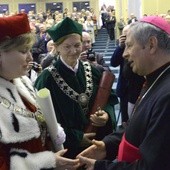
(56, 132)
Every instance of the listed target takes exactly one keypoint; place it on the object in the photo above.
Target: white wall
(135, 6)
(106, 2)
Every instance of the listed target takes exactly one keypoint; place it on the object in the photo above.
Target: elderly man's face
(137, 55)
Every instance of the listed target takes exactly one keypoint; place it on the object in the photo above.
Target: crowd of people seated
(40, 22)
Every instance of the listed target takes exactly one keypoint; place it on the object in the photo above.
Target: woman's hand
(63, 163)
(100, 118)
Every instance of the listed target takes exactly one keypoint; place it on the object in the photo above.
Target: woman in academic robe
(73, 85)
(24, 139)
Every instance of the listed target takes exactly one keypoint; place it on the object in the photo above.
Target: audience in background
(39, 46)
(50, 57)
(132, 18)
(88, 54)
(89, 27)
(110, 24)
(104, 15)
(129, 84)
(121, 24)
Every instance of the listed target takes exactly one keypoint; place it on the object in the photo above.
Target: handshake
(87, 158)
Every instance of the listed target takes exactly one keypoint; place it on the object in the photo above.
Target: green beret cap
(65, 27)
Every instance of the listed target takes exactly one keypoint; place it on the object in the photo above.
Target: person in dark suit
(110, 25)
(129, 84)
(132, 18)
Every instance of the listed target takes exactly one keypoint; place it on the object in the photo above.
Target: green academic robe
(69, 113)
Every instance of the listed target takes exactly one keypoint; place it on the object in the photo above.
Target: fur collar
(15, 127)
(25, 88)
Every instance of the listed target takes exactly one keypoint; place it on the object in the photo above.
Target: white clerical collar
(73, 69)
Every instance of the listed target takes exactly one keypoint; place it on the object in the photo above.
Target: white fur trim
(23, 90)
(28, 127)
(34, 161)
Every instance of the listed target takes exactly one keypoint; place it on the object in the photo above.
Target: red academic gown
(20, 140)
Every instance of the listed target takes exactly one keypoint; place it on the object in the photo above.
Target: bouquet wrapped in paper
(55, 130)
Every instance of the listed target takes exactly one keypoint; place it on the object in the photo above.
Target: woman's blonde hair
(25, 41)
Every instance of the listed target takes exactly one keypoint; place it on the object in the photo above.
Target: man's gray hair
(143, 31)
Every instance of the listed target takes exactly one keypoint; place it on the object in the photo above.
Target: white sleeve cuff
(21, 159)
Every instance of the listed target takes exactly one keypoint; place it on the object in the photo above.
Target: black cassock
(148, 130)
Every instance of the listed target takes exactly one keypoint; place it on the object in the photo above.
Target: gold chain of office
(82, 98)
